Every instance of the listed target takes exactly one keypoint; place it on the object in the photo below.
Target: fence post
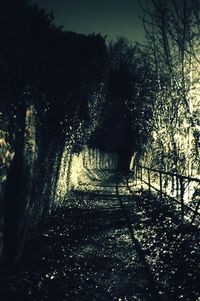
(149, 181)
(172, 188)
(161, 192)
(182, 197)
(177, 186)
(136, 174)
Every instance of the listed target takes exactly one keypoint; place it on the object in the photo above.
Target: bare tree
(172, 29)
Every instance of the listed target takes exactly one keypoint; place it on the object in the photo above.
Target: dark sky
(108, 17)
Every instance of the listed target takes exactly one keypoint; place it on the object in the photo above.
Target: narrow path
(85, 252)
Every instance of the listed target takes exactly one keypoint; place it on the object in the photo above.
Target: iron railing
(182, 189)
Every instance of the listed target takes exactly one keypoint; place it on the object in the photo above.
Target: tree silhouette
(125, 123)
(52, 83)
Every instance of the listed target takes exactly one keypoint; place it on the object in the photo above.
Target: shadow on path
(81, 254)
(88, 251)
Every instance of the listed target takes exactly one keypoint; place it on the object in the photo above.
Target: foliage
(52, 86)
(125, 122)
(172, 30)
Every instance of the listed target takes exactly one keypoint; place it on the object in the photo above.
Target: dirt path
(85, 252)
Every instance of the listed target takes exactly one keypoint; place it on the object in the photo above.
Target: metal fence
(183, 190)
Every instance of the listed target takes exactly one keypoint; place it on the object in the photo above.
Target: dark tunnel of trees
(61, 91)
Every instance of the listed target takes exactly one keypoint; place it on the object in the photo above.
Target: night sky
(108, 17)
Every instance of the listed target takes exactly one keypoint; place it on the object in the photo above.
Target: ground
(100, 246)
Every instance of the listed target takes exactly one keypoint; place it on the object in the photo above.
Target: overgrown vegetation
(61, 92)
(125, 120)
(172, 31)
(51, 93)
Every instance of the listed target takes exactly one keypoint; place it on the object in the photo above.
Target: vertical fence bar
(177, 187)
(182, 197)
(180, 186)
(172, 188)
(161, 191)
(136, 174)
(149, 180)
(189, 195)
(166, 183)
(84, 165)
